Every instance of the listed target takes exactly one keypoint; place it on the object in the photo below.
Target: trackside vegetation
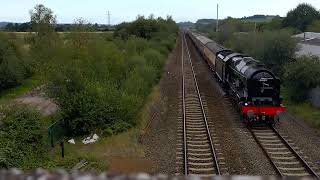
(22, 139)
(99, 80)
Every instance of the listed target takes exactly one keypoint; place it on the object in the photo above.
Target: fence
(56, 132)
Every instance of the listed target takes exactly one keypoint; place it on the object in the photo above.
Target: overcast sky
(95, 11)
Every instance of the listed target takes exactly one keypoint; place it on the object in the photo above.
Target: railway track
(196, 154)
(282, 154)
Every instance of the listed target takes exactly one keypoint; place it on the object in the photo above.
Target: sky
(95, 11)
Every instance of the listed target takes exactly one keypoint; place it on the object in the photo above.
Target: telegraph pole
(109, 19)
(217, 27)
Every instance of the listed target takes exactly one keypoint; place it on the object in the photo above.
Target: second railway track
(281, 153)
(196, 154)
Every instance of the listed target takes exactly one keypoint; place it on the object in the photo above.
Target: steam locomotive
(255, 88)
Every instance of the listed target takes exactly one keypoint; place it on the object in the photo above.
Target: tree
(42, 19)
(302, 16)
(43, 44)
(301, 76)
(79, 35)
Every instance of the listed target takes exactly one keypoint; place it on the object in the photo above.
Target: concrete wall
(14, 174)
(308, 35)
(307, 49)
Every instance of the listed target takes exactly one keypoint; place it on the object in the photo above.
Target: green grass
(12, 93)
(304, 110)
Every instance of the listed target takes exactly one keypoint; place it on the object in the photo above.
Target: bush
(301, 76)
(22, 144)
(274, 48)
(104, 84)
(101, 83)
(314, 27)
(14, 67)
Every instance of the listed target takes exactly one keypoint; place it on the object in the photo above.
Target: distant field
(97, 32)
(258, 20)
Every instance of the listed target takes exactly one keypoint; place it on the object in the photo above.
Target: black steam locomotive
(255, 88)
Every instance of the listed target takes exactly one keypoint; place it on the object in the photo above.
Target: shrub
(314, 27)
(274, 48)
(301, 76)
(14, 67)
(102, 83)
(22, 144)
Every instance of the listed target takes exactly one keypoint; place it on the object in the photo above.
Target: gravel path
(160, 140)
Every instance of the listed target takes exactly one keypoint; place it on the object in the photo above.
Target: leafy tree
(275, 49)
(42, 19)
(301, 76)
(45, 43)
(146, 27)
(301, 17)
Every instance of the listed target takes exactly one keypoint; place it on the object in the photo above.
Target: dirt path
(37, 99)
(160, 140)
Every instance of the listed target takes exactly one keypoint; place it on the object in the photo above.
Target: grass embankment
(305, 111)
(124, 147)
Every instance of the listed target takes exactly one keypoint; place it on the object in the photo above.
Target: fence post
(51, 138)
(62, 148)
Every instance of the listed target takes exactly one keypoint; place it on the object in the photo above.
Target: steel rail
(303, 162)
(290, 148)
(184, 115)
(202, 109)
(266, 153)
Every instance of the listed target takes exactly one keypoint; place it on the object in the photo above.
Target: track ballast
(196, 154)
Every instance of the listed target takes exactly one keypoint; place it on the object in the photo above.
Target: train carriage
(210, 51)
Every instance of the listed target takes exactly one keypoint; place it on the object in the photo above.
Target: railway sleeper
(200, 154)
(296, 174)
(280, 153)
(198, 145)
(198, 142)
(201, 170)
(195, 159)
(203, 175)
(199, 150)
